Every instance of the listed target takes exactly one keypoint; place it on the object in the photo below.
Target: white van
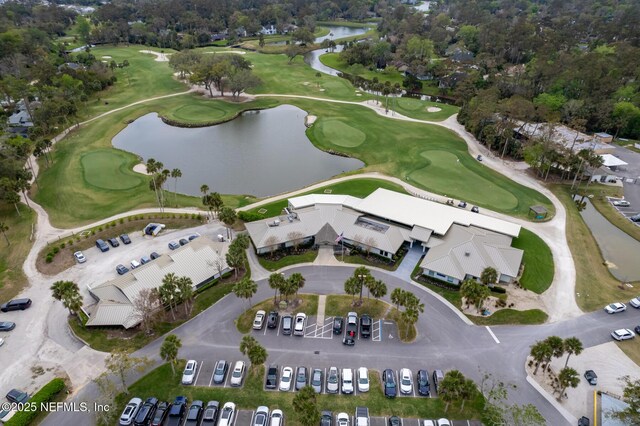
(347, 380)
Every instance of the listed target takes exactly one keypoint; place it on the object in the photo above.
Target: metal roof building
(200, 260)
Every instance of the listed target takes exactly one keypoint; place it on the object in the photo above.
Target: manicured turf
(341, 305)
(537, 259)
(512, 316)
(415, 108)
(12, 279)
(109, 169)
(198, 112)
(293, 259)
(341, 133)
(333, 60)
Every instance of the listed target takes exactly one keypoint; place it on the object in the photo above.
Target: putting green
(448, 175)
(108, 169)
(199, 113)
(340, 133)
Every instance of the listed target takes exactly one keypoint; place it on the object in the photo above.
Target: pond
(618, 249)
(260, 153)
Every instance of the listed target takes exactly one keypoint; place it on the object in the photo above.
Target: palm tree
(247, 343)
(364, 275)
(297, 281)
(169, 350)
(228, 216)
(152, 167)
(378, 289)
(276, 282)
(451, 387)
(245, 289)
(204, 188)
(410, 317)
(489, 276)
(572, 345)
(68, 293)
(185, 287)
(257, 355)
(168, 291)
(540, 351)
(567, 377)
(175, 174)
(216, 203)
(351, 286)
(398, 297)
(4, 228)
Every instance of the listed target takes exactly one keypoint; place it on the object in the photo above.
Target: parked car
(623, 334)
(479, 157)
(16, 305)
(7, 325)
(237, 374)
(591, 377)
(394, 421)
(183, 241)
(637, 329)
(220, 371)
(194, 413)
(316, 380)
(635, 218)
(428, 423)
(583, 421)
(272, 319)
(193, 237)
(423, 383)
(121, 269)
(145, 259)
(154, 255)
(332, 380)
(227, 414)
(635, 302)
(285, 379)
(362, 416)
(258, 320)
(616, 307)
(475, 209)
(261, 417)
(326, 418)
(177, 411)
(134, 264)
(363, 379)
(406, 381)
(301, 320)
(462, 204)
(173, 245)
(210, 414)
(347, 380)
(365, 326)
(287, 324)
(337, 325)
(146, 412)
(189, 374)
(277, 418)
(79, 257)
(342, 419)
(444, 422)
(6, 414)
(15, 395)
(130, 411)
(351, 329)
(161, 414)
(102, 245)
(389, 383)
(272, 377)
(621, 203)
(438, 376)
(125, 239)
(113, 242)
(301, 377)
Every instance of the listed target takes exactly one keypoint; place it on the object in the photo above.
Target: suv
(362, 416)
(189, 374)
(210, 415)
(287, 324)
(332, 380)
(258, 321)
(176, 411)
(351, 329)
(261, 417)
(114, 242)
(194, 414)
(326, 418)
(298, 328)
(389, 383)
(121, 269)
(337, 325)
(18, 396)
(220, 372)
(438, 375)
(347, 381)
(16, 305)
(591, 377)
(423, 383)
(130, 411)
(102, 245)
(272, 377)
(146, 412)
(237, 374)
(161, 414)
(125, 239)
(173, 245)
(79, 257)
(365, 326)
(301, 378)
(272, 319)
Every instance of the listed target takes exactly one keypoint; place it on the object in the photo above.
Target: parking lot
(626, 211)
(204, 375)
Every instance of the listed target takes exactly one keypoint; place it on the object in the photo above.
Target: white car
(79, 257)
(134, 264)
(347, 381)
(635, 302)
(333, 378)
(130, 411)
(258, 320)
(298, 327)
(285, 379)
(261, 418)
(237, 374)
(342, 419)
(621, 203)
(406, 383)
(615, 308)
(427, 423)
(5, 415)
(189, 374)
(444, 422)
(227, 414)
(623, 334)
(277, 418)
(363, 379)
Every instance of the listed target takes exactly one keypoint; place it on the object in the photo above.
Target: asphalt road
(444, 342)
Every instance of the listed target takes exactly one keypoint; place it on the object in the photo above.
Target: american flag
(339, 237)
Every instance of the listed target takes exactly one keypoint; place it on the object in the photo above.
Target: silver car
(333, 380)
(316, 380)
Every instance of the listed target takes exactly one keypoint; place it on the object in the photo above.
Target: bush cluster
(44, 395)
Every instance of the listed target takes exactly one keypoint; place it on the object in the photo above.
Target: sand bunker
(309, 120)
(434, 109)
(141, 168)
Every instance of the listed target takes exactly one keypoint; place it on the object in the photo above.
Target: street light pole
(361, 277)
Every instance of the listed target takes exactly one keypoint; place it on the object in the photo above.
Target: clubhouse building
(458, 244)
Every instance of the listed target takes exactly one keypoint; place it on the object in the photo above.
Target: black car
(365, 326)
(272, 377)
(161, 414)
(193, 237)
(113, 242)
(210, 415)
(16, 305)
(272, 319)
(394, 421)
(121, 269)
(177, 411)
(584, 421)
(637, 329)
(154, 255)
(146, 412)
(337, 325)
(326, 418)
(462, 204)
(475, 209)
(16, 395)
(194, 414)
(423, 383)
(7, 325)
(591, 377)
(301, 378)
(102, 245)
(125, 239)
(183, 241)
(389, 383)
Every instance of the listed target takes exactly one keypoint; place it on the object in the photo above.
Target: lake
(260, 153)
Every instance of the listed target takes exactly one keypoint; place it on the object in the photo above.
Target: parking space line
(265, 331)
(354, 381)
(279, 323)
(492, 335)
(198, 373)
(212, 374)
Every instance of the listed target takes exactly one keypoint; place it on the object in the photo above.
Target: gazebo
(539, 212)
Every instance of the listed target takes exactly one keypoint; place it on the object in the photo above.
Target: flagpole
(342, 244)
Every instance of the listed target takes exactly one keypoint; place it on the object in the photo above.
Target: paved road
(444, 341)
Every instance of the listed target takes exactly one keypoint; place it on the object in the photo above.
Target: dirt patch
(433, 109)
(517, 298)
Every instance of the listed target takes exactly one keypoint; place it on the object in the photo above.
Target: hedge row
(44, 395)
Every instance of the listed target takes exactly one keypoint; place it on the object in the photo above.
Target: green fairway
(333, 60)
(415, 108)
(109, 169)
(537, 260)
(341, 133)
(198, 112)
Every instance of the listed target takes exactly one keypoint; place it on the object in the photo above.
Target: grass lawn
(333, 60)
(307, 303)
(12, 256)
(415, 108)
(356, 187)
(631, 348)
(538, 261)
(163, 384)
(595, 286)
(293, 259)
(512, 316)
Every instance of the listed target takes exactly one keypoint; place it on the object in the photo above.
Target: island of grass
(15, 244)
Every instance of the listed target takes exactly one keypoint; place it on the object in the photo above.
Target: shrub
(121, 220)
(99, 228)
(173, 216)
(93, 232)
(193, 215)
(43, 396)
(63, 245)
(249, 216)
(129, 219)
(49, 258)
(112, 224)
(70, 242)
(498, 289)
(55, 250)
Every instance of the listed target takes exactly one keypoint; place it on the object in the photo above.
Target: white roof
(313, 199)
(413, 211)
(612, 161)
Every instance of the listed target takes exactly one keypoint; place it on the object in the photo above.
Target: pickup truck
(351, 329)
(362, 416)
(177, 411)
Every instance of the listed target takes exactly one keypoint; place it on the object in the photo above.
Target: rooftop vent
(466, 253)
